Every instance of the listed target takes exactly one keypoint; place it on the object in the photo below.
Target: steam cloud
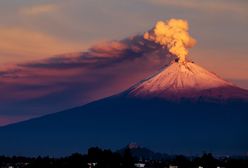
(174, 35)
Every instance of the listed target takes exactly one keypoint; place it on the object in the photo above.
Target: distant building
(92, 165)
(139, 165)
(173, 166)
(133, 146)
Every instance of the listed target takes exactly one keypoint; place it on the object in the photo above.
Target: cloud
(207, 6)
(172, 34)
(108, 49)
(18, 45)
(40, 87)
(39, 9)
(105, 53)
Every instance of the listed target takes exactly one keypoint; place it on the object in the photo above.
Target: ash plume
(83, 76)
(172, 34)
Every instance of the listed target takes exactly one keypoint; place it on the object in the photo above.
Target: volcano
(186, 81)
(182, 109)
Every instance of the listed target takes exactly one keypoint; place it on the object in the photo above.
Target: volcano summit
(186, 81)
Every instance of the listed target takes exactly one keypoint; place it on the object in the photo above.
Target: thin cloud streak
(207, 6)
(17, 44)
(39, 9)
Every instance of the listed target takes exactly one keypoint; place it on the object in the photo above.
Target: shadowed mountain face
(213, 120)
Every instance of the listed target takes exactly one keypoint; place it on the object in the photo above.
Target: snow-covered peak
(183, 80)
(180, 76)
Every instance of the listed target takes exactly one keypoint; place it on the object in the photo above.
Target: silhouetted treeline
(98, 158)
(95, 157)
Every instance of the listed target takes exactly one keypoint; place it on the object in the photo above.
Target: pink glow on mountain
(186, 80)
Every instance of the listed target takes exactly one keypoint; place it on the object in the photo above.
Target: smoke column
(174, 35)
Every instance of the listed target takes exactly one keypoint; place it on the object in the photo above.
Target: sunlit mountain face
(187, 81)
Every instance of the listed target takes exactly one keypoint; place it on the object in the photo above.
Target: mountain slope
(186, 80)
(156, 113)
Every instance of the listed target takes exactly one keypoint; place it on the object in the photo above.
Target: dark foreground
(99, 158)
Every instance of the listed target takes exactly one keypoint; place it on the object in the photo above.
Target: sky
(57, 54)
